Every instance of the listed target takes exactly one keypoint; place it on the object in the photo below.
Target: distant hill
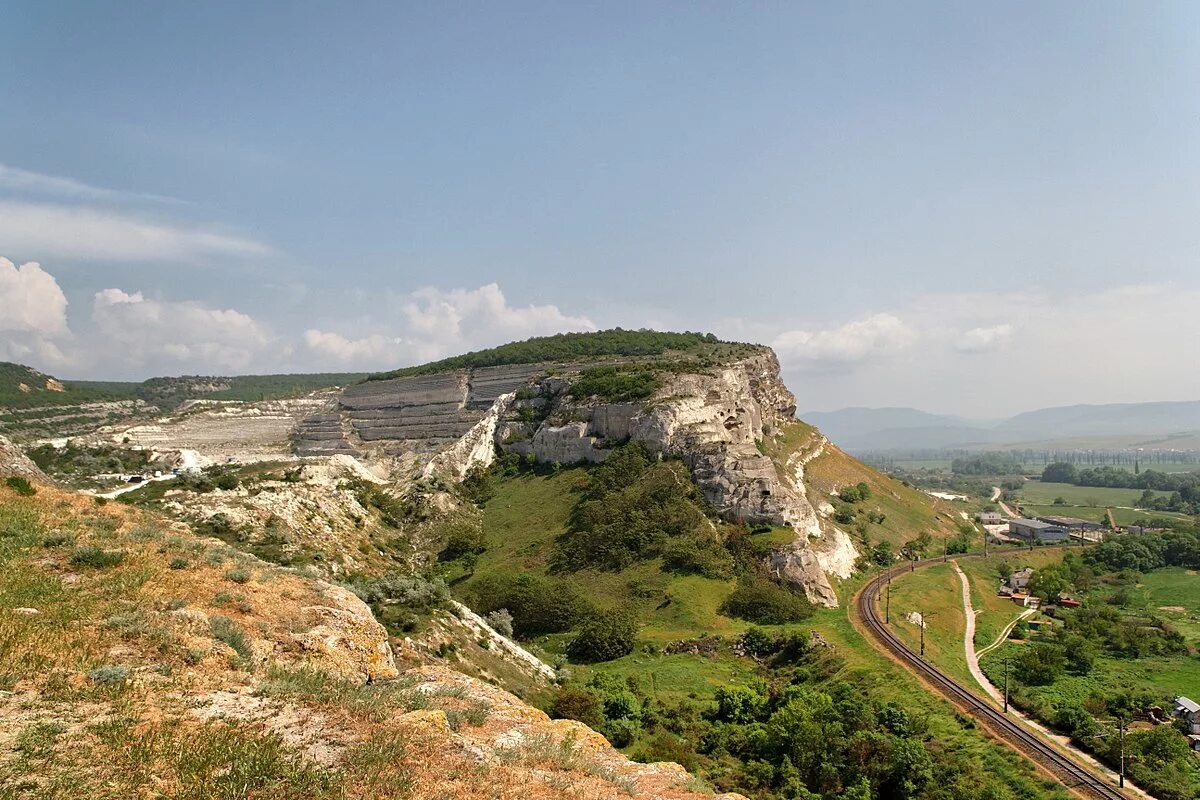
(861, 429)
(1114, 419)
(1113, 425)
(25, 387)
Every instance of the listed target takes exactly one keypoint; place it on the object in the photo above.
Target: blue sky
(895, 195)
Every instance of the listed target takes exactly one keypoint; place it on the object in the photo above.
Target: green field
(1040, 493)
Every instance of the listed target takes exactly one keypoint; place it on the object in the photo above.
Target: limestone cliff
(720, 419)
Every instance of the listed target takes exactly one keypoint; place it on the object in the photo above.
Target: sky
(962, 207)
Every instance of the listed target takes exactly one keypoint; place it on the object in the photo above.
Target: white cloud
(478, 315)
(24, 181)
(32, 300)
(33, 314)
(434, 323)
(88, 233)
(180, 336)
(853, 343)
(370, 351)
(982, 340)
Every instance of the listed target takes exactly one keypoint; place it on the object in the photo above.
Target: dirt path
(973, 665)
(1004, 633)
(969, 638)
(997, 493)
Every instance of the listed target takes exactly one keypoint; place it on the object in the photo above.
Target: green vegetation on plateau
(582, 347)
(165, 392)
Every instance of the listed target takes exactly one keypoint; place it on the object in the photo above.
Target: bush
(501, 622)
(226, 630)
(20, 485)
(239, 575)
(617, 384)
(108, 674)
(577, 704)
(1040, 664)
(92, 556)
(402, 601)
(463, 536)
(179, 563)
(766, 603)
(537, 605)
(604, 636)
(690, 554)
(477, 485)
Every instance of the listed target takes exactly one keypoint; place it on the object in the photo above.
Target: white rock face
(477, 446)
(715, 423)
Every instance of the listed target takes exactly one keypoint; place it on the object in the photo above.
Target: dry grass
(139, 676)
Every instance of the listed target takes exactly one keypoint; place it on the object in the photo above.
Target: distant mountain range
(1113, 425)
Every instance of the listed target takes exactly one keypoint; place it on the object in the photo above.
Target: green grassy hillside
(670, 695)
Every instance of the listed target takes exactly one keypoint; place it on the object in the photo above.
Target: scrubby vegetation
(563, 347)
(618, 383)
(86, 461)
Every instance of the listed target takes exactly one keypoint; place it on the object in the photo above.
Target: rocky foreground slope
(140, 660)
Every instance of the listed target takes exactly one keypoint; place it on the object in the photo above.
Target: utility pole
(1006, 683)
(924, 622)
(889, 600)
(1121, 778)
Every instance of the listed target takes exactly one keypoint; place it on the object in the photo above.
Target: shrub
(57, 539)
(477, 485)
(690, 554)
(179, 563)
(537, 605)
(577, 704)
(108, 674)
(238, 575)
(226, 630)
(604, 636)
(617, 384)
(501, 622)
(1040, 664)
(739, 704)
(463, 536)
(766, 603)
(401, 601)
(20, 485)
(92, 556)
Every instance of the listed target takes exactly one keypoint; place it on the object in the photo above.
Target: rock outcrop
(13, 462)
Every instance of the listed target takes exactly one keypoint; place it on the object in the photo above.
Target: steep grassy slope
(906, 513)
(690, 654)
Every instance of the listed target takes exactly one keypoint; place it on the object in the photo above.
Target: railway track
(1068, 771)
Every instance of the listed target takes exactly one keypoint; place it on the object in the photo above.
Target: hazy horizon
(967, 210)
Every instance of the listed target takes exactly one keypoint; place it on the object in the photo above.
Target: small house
(1019, 579)
(1189, 711)
(1068, 602)
(989, 518)
(1194, 742)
